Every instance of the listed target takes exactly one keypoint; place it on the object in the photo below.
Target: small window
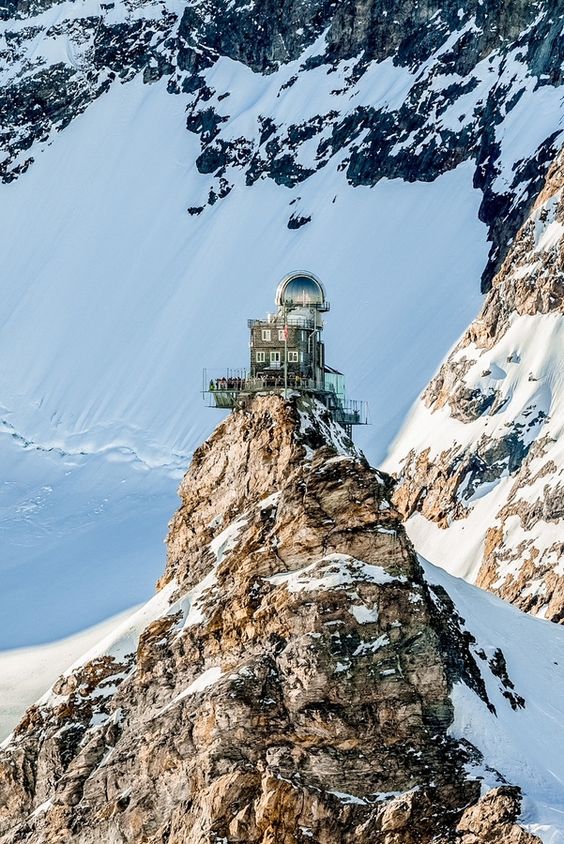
(261, 357)
(266, 334)
(292, 357)
(275, 357)
(281, 335)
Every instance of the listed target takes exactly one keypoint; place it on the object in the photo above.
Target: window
(275, 357)
(266, 334)
(293, 357)
(261, 357)
(281, 335)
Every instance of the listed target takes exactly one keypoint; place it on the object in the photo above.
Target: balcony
(225, 389)
(280, 322)
(351, 412)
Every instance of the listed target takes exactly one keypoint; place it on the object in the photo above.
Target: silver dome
(301, 290)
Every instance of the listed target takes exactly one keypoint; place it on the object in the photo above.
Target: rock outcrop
(290, 681)
(484, 449)
(447, 83)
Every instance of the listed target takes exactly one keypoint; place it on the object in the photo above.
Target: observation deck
(228, 389)
(292, 321)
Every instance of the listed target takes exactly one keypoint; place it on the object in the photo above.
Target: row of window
(275, 357)
(267, 334)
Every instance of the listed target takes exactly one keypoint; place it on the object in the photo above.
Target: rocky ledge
(484, 448)
(290, 681)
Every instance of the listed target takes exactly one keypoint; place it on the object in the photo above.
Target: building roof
(300, 289)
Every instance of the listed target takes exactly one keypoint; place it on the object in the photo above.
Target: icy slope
(81, 538)
(378, 89)
(116, 298)
(481, 457)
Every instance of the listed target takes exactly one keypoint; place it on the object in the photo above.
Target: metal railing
(276, 382)
(351, 412)
(224, 392)
(280, 322)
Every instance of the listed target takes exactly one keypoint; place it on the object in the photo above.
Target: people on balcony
(263, 380)
(227, 384)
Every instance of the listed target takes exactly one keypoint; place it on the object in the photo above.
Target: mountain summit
(300, 676)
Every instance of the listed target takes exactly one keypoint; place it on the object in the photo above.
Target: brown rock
(493, 820)
(296, 689)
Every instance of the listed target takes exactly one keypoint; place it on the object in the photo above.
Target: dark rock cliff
(467, 69)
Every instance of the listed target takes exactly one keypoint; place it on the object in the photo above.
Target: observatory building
(287, 355)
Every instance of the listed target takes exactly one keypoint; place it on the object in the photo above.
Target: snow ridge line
(175, 465)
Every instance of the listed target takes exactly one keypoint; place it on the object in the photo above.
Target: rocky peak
(483, 451)
(289, 682)
(252, 455)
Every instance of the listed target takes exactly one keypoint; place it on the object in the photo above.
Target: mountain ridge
(489, 429)
(489, 57)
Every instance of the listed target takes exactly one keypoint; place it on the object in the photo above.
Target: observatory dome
(301, 290)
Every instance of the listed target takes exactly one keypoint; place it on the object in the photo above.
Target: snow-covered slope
(280, 90)
(481, 458)
(163, 166)
(523, 742)
(117, 298)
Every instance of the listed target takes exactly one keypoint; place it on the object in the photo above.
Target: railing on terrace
(351, 412)
(231, 382)
(223, 390)
(276, 382)
(280, 322)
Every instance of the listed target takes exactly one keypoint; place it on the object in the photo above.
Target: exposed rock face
(492, 422)
(412, 89)
(491, 819)
(291, 681)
